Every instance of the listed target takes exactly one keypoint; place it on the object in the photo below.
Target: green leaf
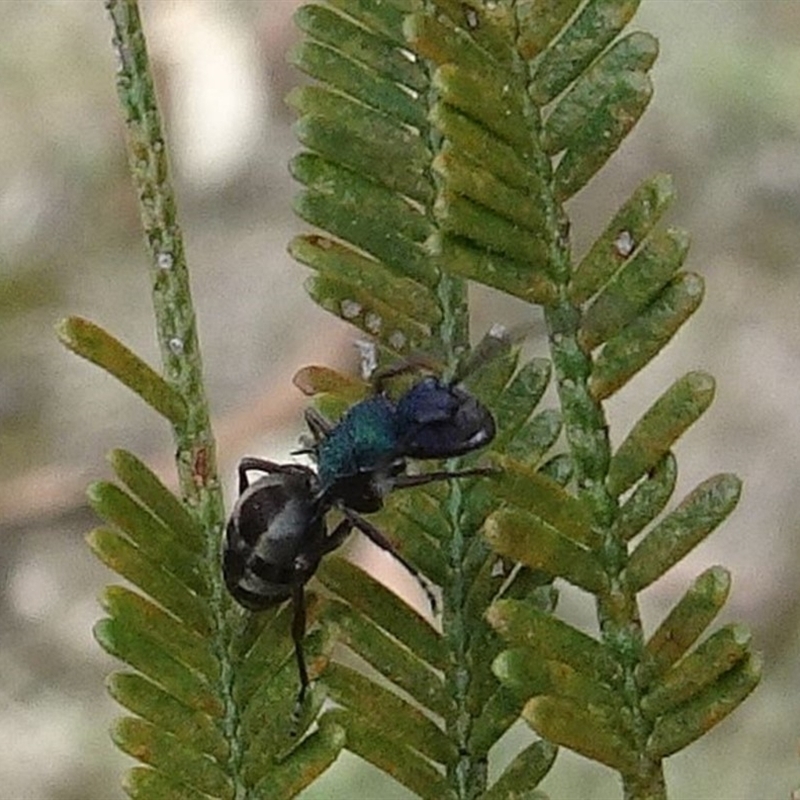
(598, 22)
(679, 728)
(359, 44)
(491, 25)
(272, 647)
(483, 148)
(525, 771)
(641, 340)
(464, 219)
(267, 716)
(599, 86)
(135, 612)
(151, 492)
(374, 745)
(498, 714)
(329, 258)
(698, 670)
(467, 260)
(522, 624)
(524, 537)
(415, 520)
(631, 225)
(465, 179)
(317, 380)
(634, 287)
(486, 98)
(536, 437)
(696, 517)
(148, 784)
(379, 604)
(441, 41)
(153, 538)
(148, 743)
(655, 433)
(358, 80)
(360, 138)
(586, 731)
(122, 556)
(396, 663)
(146, 654)
(164, 711)
(686, 621)
(96, 345)
(613, 120)
(543, 497)
(539, 22)
(648, 499)
(561, 468)
(386, 711)
(519, 398)
(374, 219)
(380, 17)
(311, 758)
(521, 671)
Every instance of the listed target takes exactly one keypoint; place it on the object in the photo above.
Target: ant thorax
(364, 440)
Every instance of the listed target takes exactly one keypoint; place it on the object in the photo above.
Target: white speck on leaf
(624, 243)
(350, 309)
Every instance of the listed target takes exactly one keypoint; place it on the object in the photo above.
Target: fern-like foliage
(210, 688)
(443, 138)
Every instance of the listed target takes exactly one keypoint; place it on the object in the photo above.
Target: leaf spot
(350, 309)
(624, 244)
(397, 340)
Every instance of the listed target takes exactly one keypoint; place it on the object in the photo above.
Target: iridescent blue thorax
(365, 439)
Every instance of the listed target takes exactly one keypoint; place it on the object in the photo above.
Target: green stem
(617, 608)
(172, 301)
(587, 437)
(468, 775)
(175, 318)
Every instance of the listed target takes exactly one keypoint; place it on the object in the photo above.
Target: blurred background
(725, 122)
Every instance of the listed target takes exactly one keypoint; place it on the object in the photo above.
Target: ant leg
(370, 531)
(270, 467)
(337, 538)
(319, 425)
(406, 481)
(298, 632)
(413, 363)
(493, 344)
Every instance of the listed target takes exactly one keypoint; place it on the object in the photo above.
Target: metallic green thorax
(365, 438)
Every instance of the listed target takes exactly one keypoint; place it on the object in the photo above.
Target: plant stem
(468, 775)
(587, 437)
(617, 609)
(172, 301)
(175, 317)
